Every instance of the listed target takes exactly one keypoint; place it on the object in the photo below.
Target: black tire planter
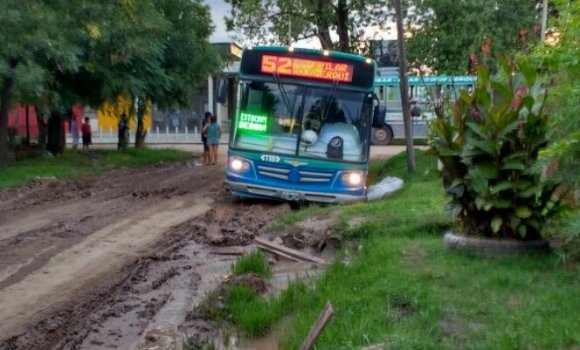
(485, 247)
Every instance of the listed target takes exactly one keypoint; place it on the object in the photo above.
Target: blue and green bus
(302, 125)
(422, 92)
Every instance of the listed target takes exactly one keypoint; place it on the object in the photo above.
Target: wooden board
(286, 252)
(323, 318)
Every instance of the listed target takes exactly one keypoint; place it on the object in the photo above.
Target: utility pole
(404, 88)
(544, 22)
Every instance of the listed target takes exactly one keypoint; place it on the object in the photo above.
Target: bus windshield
(303, 121)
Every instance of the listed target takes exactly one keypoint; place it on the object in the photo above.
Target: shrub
(486, 147)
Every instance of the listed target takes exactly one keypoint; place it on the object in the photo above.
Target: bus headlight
(238, 164)
(353, 179)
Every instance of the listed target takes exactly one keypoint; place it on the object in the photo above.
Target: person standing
(214, 133)
(74, 130)
(86, 134)
(206, 120)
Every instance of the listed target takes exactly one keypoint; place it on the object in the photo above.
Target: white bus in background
(422, 92)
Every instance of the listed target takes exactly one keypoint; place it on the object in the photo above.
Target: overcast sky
(218, 10)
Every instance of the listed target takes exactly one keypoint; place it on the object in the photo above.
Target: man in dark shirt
(205, 121)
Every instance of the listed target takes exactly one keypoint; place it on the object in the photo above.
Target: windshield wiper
(284, 94)
(330, 98)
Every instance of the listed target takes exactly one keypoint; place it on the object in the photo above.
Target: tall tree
(34, 36)
(286, 21)
(444, 33)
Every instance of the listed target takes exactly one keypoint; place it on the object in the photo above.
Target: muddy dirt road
(102, 263)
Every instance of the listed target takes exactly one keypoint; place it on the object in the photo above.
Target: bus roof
(337, 54)
(444, 80)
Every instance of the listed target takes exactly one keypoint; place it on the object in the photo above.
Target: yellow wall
(109, 113)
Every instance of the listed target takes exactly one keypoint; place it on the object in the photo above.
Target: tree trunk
(323, 14)
(55, 144)
(41, 122)
(404, 88)
(27, 125)
(4, 109)
(342, 26)
(140, 133)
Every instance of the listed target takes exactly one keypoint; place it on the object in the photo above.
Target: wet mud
(125, 256)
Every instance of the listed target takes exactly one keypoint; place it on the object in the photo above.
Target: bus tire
(382, 136)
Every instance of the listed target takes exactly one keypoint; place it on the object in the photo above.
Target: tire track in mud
(159, 288)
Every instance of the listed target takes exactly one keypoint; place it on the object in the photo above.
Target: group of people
(210, 136)
(86, 133)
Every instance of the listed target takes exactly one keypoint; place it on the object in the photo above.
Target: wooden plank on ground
(286, 252)
(323, 319)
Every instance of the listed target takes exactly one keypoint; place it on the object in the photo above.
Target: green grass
(76, 164)
(255, 315)
(254, 262)
(403, 289)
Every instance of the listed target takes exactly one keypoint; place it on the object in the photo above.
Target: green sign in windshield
(254, 122)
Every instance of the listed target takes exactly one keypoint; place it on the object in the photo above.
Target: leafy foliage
(446, 32)
(561, 67)
(486, 147)
(286, 21)
(58, 53)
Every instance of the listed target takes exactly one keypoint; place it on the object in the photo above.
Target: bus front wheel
(382, 136)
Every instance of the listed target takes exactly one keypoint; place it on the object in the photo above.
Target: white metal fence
(154, 135)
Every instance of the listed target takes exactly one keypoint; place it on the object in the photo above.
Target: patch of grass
(77, 164)
(255, 315)
(255, 262)
(249, 312)
(403, 289)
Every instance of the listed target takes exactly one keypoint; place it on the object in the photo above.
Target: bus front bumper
(259, 191)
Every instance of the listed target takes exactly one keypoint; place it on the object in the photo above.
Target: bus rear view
(302, 126)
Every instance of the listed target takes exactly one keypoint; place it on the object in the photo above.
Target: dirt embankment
(97, 263)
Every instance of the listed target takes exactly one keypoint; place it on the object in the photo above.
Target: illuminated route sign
(253, 122)
(299, 67)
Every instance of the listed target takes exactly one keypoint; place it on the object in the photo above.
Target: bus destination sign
(299, 67)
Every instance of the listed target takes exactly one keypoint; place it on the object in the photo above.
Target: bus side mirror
(222, 91)
(379, 114)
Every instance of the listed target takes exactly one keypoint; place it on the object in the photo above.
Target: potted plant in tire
(486, 147)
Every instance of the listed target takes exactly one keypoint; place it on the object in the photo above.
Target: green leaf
(522, 231)
(502, 186)
(528, 71)
(523, 212)
(534, 190)
(476, 128)
(496, 224)
(503, 90)
(486, 146)
(514, 221)
(508, 129)
(504, 64)
(513, 165)
(479, 202)
(486, 170)
(502, 203)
